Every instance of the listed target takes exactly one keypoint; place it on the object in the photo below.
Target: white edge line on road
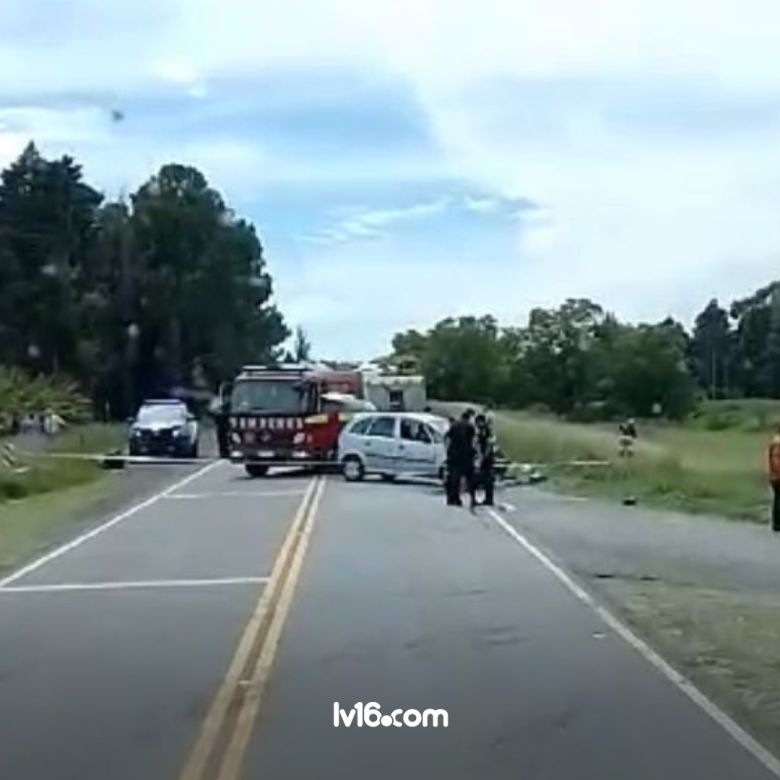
(79, 540)
(69, 587)
(755, 748)
(235, 494)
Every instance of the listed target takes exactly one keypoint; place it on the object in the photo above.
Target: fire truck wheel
(353, 469)
(256, 469)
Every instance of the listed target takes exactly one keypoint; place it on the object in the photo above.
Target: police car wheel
(353, 470)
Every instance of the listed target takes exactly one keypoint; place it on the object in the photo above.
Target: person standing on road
(460, 459)
(222, 420)
(486, 452)
(774, 477)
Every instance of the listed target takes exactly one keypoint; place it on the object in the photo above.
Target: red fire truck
(288, 414)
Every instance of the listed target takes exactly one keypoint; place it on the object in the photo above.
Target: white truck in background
(395, 393)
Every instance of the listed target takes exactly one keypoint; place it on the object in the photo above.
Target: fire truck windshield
(268, 395)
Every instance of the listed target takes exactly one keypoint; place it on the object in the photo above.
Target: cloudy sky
(405, 160)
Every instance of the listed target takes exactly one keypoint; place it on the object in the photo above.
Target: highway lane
(410, 604)
(115, 681)
(114, 655)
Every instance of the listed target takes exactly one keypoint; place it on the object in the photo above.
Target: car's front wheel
(352, 468)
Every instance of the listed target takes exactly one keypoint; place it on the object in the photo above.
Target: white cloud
(11, 145)
(356, 224)
(646, 218)
(177, 71)
(351, 299)
(645, 224)
(198, 91)
(64, 125)
(446, 43)
(373, 223)
(481, 205)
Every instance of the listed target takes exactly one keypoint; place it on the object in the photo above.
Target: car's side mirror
(130, 420)
(191, 417)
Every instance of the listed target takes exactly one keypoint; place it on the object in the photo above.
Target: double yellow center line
(222, 741)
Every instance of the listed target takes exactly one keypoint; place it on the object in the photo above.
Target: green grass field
(44, 475)
(37, 505)
(685, 466)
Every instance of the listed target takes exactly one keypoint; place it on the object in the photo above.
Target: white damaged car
(393, 444)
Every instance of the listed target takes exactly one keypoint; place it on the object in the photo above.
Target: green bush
(719, 422)
(21, 394)
(752, 415)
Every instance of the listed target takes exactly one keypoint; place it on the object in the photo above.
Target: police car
(164, 427)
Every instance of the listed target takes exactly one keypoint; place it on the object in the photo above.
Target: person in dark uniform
(460, 459)
(222, 421)
(486, 454)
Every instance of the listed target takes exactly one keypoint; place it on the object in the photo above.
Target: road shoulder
(33, 526)
(702, 591)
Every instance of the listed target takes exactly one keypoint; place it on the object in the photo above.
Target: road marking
(69, 587)
(256, 628)
(79, 540)
(755, 748)
(235, 494)
(236, 749)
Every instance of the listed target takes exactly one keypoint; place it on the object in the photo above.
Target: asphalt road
(600, 540)
(208, 633)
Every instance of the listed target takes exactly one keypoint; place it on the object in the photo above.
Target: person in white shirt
(52, 423)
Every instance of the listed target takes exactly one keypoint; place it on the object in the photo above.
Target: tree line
(131, 298)
(581, 361)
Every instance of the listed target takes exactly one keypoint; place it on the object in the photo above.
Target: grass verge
(725, 641)
(44, 475)
(37, 504)
(27, 527)
(675, 467)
